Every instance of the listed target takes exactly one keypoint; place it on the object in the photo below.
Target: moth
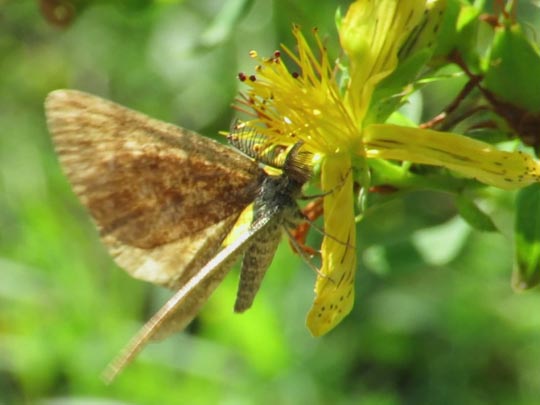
(175, 208)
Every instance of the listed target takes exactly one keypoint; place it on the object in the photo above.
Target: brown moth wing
(183, 306)
(151, 187)
(174, 263)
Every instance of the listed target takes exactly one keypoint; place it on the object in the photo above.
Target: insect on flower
(175, 208)
(340, 111)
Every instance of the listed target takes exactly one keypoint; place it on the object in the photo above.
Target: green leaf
(513, 69)
(458, 32)
(527, 238)
(474, 216)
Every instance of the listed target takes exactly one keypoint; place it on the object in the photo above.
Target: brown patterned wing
(162, 197)
(183, 306)
(174, 263)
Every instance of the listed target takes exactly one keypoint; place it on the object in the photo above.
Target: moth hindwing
(164, 199)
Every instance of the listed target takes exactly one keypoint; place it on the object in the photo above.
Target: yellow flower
(310, 106)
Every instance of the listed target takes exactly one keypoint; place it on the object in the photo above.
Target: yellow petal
(334, 289)
(469, 157)
(241, 226)
(371, 34)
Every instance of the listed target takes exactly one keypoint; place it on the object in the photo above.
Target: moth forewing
(174, 263)
(156, 192)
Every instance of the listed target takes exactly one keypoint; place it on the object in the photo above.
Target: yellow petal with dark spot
(467, 156)
(334, 289)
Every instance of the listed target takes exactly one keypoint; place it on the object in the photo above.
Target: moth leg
(302, 253)
(310, 213)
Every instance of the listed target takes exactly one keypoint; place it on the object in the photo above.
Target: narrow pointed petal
(467, 156)
(371, 34)
(334, 289)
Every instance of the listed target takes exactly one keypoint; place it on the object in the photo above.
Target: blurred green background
(435, 320)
